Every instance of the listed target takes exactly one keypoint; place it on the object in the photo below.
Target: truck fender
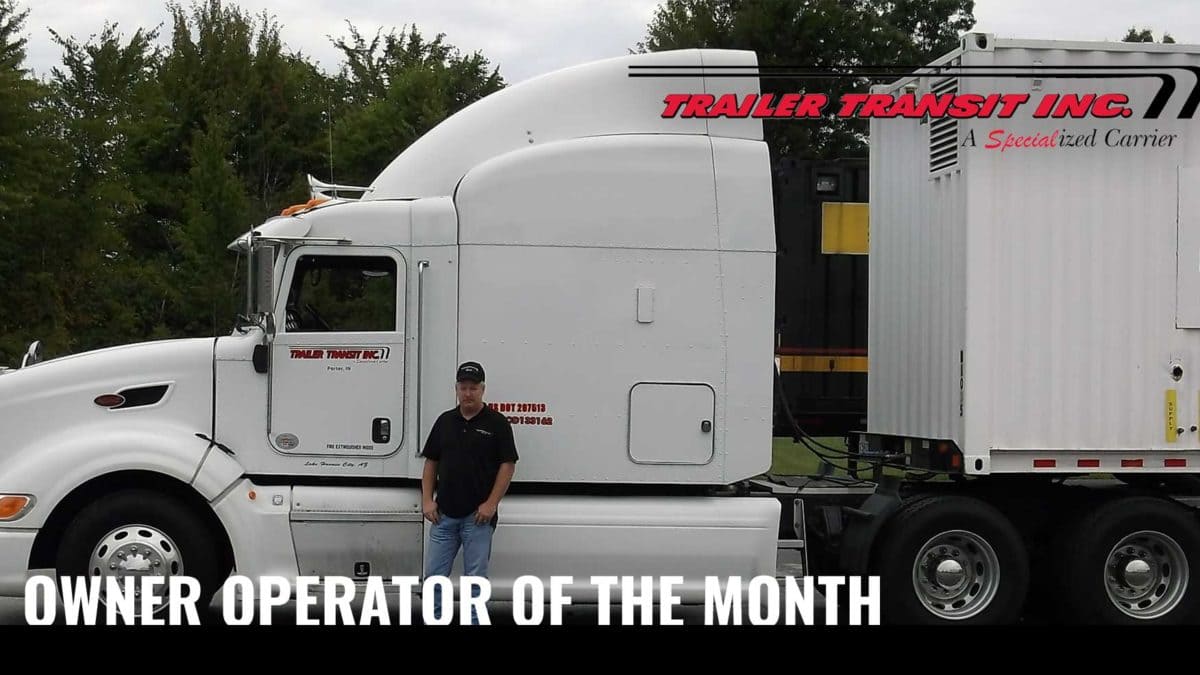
(50, 472)
(218, 471)
(863, 526)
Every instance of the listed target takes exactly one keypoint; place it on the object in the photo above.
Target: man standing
(470, 457)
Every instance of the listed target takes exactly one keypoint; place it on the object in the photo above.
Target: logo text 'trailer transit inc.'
(815, 105)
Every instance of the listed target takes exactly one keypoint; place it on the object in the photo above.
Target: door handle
(706, 426)
(381, 430)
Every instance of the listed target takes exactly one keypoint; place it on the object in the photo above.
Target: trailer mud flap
(863, 525)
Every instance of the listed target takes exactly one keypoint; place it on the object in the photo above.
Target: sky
(525, 38)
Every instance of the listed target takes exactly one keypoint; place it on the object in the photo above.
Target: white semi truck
(613, 269)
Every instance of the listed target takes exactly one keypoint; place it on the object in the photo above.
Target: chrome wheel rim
(956, 574)
(133, 551)
(1146, 575)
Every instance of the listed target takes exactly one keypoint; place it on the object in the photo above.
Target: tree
(400, 86)
(33, 206)
(124, 176)
(1145, 35)
(815, 34)
(106, 103)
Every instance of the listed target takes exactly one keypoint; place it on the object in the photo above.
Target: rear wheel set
(959, 560)
(1132, 560)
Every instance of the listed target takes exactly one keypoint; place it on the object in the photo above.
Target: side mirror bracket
(262, 357)
(262, 351)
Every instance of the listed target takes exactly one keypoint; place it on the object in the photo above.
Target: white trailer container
(1034, 317)
(1040, 306)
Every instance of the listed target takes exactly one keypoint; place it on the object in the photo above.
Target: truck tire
(139, 532)
(951, 560)
(1133, 560)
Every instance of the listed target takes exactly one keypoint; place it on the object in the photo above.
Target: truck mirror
(264, 278)
(33, 354)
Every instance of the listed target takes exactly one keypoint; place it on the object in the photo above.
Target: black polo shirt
(469, 454)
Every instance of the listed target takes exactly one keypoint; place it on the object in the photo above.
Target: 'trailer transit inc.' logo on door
(353, 354)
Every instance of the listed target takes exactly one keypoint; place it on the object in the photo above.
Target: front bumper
(15, 547)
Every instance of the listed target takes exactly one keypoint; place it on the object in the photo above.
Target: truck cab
(612, 269)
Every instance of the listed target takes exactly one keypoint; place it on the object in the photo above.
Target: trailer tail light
(14, 506)
(1175, 462)
(1045, 463)
(1131, 464)
(1089, 463)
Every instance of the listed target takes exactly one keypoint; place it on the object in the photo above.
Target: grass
(789, 458)
(794, 459)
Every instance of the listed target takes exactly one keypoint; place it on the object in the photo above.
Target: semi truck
(613, 268)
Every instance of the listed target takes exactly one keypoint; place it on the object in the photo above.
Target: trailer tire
(951, 560)
(140, 531)
(1133, 560)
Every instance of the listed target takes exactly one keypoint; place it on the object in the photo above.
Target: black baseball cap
(470, 371)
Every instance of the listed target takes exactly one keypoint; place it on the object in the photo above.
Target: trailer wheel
(1133, 561)
(138, 532)
(950, 559)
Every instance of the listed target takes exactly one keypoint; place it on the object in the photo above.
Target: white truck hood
(56, 398)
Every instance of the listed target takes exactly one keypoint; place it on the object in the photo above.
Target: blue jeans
(445, 538)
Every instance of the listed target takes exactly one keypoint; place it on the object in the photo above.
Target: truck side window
(342, 293)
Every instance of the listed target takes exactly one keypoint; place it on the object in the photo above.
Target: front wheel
(951, 560)
(139, 533)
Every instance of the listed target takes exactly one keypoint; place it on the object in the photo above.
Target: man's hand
(428, 481)
(485, 512)
(431, 511)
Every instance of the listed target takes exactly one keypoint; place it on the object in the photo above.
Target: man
(470, 457)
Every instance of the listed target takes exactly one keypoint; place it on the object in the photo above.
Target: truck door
(337, 360)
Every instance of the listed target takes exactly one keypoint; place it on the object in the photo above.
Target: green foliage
(1145, 35)
(399, 87)
(33, 206)
(126, 173)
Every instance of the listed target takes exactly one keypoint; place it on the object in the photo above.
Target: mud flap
(863, 525)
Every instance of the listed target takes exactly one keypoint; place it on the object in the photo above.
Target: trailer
(1033, 310)
(614, 270)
